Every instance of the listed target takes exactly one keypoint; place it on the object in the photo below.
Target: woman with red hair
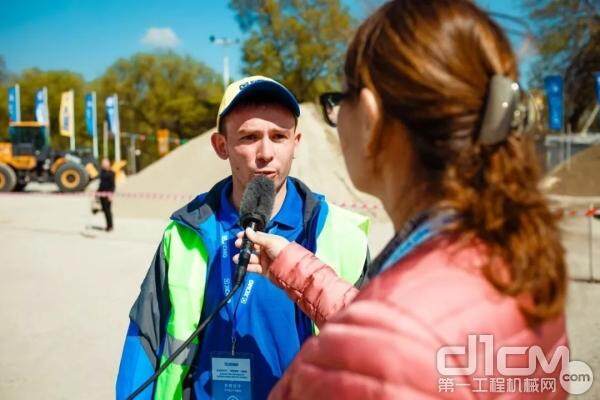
(433, 123)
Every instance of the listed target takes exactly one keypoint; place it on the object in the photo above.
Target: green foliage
(567, 39)
(3, 99)
(30, 81)
(3, 71)
(562, 29)
(580, 83)
(162, 90)
(300, 43)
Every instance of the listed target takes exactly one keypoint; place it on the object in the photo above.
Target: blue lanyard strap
(226, 268)
(415, 232)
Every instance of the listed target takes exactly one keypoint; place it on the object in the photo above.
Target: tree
(57, 82)
(30, 81)
(580, 82)
(161, 90)
(300, 43)
(3, 71)
(567, 36)
(3, 99)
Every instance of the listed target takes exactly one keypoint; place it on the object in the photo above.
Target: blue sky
(87, 36)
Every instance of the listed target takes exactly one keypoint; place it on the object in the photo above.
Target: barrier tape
(163, 196)
(588, 212)
(561, 212)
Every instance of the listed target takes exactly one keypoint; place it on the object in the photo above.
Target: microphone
(255, 211)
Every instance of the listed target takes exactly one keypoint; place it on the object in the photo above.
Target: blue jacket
(277, 328)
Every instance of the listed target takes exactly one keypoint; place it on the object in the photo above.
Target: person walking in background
(433, 123)
(105, 192)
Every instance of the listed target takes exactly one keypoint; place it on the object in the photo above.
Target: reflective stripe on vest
(187, 259)
(342, 244)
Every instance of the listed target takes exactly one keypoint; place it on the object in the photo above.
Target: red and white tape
(587, 212)
(165, 196)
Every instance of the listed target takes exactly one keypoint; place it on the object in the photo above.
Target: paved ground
(65, 296)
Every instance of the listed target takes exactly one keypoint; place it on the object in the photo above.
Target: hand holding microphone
(266, 249)
(255, 211)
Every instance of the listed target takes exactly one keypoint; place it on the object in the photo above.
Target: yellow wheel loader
(27, 157)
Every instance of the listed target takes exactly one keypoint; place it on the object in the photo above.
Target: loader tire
(71, 177)
(8, 178)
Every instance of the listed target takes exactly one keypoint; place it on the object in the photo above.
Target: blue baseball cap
(255, 86)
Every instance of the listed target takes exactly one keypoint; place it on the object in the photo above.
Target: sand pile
(579, 177)
(194, 168)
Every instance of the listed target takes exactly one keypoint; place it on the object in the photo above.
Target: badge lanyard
(231, 372)
(226, 269)
(427, 227)
(233, 339)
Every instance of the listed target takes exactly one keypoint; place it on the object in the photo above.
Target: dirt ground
(66, 292)
(576, 177)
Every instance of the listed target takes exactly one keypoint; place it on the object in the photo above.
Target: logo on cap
(245, 84)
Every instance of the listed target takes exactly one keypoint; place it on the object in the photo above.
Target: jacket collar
(229, 217)
(206, 205)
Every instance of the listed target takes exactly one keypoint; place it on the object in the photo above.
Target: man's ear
(297, 138)
(219, 144)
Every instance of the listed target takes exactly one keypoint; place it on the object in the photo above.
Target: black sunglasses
(330, 105)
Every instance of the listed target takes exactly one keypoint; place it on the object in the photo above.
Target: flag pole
(117, 131)
(18, 102)
(72, 110)
(94, 127)
(105, 140)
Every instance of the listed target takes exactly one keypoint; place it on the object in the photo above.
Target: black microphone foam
(257, 203)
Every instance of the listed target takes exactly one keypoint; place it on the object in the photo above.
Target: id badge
(231, 376)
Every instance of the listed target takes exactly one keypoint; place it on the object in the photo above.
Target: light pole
(225, 43)
(132, 153)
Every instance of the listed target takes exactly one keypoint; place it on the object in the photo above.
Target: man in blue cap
(247, 347)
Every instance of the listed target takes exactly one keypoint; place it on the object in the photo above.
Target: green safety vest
(342, 244)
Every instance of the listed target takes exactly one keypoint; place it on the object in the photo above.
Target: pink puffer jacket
(381, 343)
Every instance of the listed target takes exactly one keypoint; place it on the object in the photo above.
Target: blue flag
(90, 113)
(554, 92)
(14, 104)
(597, 81)
(112, 113)
(41, 106)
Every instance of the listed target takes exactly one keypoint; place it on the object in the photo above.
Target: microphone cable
(189, 340)
(255, 209)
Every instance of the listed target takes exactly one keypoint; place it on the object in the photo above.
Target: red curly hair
(429, 64)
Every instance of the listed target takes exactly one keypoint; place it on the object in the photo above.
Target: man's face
(258, 140)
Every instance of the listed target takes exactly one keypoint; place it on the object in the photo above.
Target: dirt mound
(193, 168)
(579, 177)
